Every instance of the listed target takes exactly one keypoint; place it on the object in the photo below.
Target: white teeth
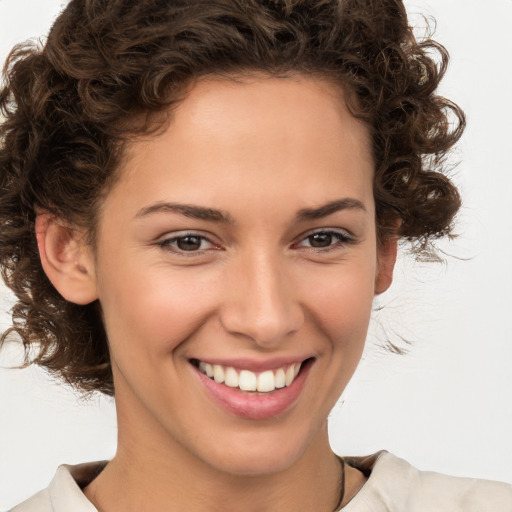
(231, 378)
(247, 381)
(264, 382)
(290, 375)
(218, 373)
(280, 378)
(208, 370)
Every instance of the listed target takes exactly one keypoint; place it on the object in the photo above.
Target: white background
(447, 405)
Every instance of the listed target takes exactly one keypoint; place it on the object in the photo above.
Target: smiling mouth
(248, 381)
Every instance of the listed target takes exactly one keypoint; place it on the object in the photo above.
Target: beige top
(393, 486)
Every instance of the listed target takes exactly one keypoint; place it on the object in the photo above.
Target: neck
(154, 470)
(147, 477)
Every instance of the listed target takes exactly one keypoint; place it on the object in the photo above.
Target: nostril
(264, 308)
(267, 329)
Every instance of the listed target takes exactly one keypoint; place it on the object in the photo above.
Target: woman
(199, 203)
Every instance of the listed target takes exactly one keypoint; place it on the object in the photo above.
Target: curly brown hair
(109, 68)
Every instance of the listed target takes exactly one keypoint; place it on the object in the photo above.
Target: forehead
(262, 136)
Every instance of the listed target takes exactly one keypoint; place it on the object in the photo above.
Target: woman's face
(240, 242)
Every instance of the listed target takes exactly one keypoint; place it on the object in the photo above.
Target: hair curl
(108, 68)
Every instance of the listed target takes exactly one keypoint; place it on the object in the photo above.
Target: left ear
(386, 258)
(66, 259)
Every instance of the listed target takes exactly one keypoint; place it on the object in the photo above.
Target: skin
(261, 151)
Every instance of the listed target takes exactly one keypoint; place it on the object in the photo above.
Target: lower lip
(255, 406)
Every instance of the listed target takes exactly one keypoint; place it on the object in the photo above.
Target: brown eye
(328, 239)
(320, 240)
(189, 243)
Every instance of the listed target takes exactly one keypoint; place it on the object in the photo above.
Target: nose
(261, 302)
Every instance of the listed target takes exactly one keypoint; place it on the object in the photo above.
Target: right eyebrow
(187, 210)
(325, 210)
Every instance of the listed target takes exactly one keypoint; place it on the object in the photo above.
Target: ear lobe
(386, 258)
(66, 259)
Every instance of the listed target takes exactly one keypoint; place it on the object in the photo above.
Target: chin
(263, 451)
(256, 464)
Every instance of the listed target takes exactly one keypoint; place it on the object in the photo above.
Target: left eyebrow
(347, 203)
(187, 210)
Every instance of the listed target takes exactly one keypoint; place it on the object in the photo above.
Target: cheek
(152, 312)
(341, 301)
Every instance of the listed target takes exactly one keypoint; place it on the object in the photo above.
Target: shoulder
(64, 494)
(40, 502)
(396, 485)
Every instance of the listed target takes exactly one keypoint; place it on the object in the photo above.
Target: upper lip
(254, 365)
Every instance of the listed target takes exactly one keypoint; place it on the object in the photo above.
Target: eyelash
(341, 238)
(167, 244)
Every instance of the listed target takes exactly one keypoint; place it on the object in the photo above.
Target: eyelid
(166, 240)
(344, 234)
